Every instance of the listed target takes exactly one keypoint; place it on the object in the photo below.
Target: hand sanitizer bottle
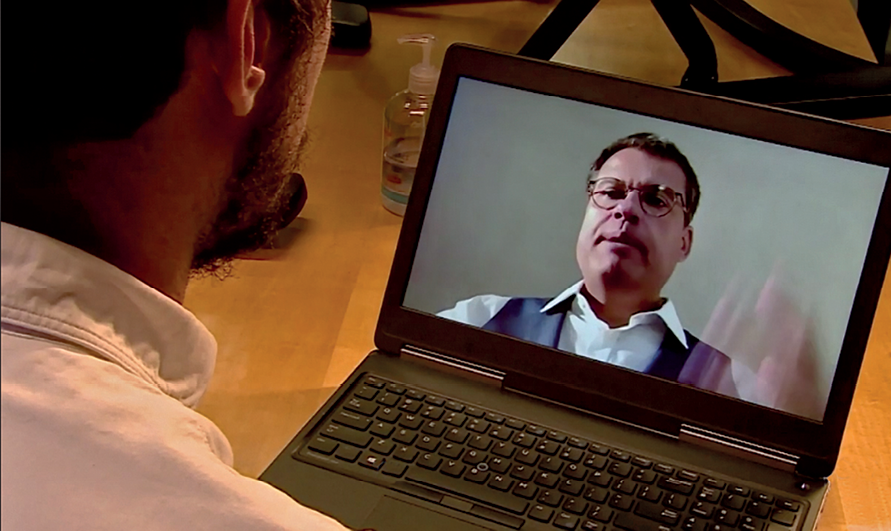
(405, 119)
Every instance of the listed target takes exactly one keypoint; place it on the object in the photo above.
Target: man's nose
(628, 209)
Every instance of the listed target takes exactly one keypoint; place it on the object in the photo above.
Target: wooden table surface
(294, 322)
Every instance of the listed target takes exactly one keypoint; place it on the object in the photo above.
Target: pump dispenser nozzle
(422, 77)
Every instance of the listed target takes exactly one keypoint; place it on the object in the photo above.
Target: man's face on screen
(624, 248)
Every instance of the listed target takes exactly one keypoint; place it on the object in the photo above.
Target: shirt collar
(58, 291)
(666, 312)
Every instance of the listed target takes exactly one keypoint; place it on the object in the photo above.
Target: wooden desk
(292, 327)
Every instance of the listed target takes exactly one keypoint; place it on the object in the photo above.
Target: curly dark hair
(662, 148)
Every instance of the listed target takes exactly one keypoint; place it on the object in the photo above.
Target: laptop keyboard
(518, 474)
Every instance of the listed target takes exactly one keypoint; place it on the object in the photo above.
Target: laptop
(459, 421)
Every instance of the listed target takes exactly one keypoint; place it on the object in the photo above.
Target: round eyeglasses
(655, 200)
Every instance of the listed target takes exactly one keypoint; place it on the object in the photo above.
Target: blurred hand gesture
(774, 361)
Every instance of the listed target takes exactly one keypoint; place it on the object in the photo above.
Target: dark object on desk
(827, 82)
(351, 25)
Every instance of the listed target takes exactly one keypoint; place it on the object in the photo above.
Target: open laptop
(458, 422)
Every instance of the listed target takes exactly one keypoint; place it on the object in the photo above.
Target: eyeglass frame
(679, 198)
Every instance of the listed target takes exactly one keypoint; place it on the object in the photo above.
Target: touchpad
(394, 515)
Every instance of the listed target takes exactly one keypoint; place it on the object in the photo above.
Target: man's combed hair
(99, 69)
(662, 148)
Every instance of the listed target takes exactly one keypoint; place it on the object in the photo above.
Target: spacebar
(468, 490)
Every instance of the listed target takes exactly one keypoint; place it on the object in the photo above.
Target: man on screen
(642, 195)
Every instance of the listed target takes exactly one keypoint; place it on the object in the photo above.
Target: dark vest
(522, 317)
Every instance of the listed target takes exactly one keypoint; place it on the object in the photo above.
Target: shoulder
(477, 310)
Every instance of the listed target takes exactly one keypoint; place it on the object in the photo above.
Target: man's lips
(625, 239)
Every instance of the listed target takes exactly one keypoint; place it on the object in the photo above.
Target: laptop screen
(709, 259)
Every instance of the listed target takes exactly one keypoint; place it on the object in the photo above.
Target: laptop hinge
(738, 448)
(455, 365)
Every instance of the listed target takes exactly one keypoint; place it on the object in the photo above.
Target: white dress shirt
(99, 375)
(633, 346)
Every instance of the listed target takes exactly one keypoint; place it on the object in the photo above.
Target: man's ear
(686, 242)
(246, 42)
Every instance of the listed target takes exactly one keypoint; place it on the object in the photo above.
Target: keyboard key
(749, 523)
(676, 485)
(619, 455)
(428, 443)
(649, 493)
(601, 478)
(541, 513)
(522, 472)
(480, 442)
(547, 479)
(575, 506)
(382, 429)
(479, 426)
(573, 455)
(515, 424)
(453, 468)
(455, 419)
(622, 470)
(538, 431)
(600, 449)
(591, 525)
(432, 412)
(527, 457)
(596, 494)
(394, 468)
(477, 475)
(501, 482)
(556, 436)
(323, 446)
(371, 461)
(548, 447)
(709, 494)
(389, 414)
(352, 420)
(473, 457)
(451, 450)
(601, 513)
(566, 521)
(727, 517)
(644, 476)
(658, 513)
(405, 436)
(396, 389)
(575, 471)
(483, 493)
(494, 418)
(738, 489)
(733, 501)
(640, 462)
(693, 523)
(498, 517)
(526, 490)
(435, 401)
(368, 393)
(550, 497)
(454, 406)
(371, 381)
(676, 501)
(434, 428)
(411, 421)
(457, 435)
(411, 406)
(763, 497)
(788, 505)
(361, 406)
(524, 440)
(715, 483)
(597, 462)
(405, 453)
(663, 469)
(383, 447)
(415, 395)
(759, 509)
(347, 453)
(502, 433)
(782, 516)
(687, 475)
(347, 435)
(474, 412)
(705, 510)
(621, 501)
(389, 399)
(625, 486)
(429, 461)
(551, 464)
(572, 487)
(581, 444)
(504, 449)
(499, 465)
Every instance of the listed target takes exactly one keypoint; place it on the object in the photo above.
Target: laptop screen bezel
(609, 390)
